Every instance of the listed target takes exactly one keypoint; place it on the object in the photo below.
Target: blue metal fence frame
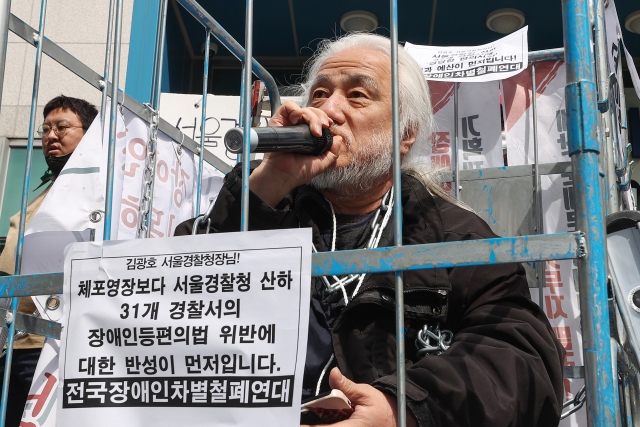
(584, 148)
(23, 211)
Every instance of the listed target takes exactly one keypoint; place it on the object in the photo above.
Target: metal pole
(556, 54)
(607, 141)
(397, 218)
(113, 121)
(246, 120)
(456, 144)
(615, 353)
(618, 150)
(241, 112)
(5, 14)
(602, 64)
(583, 149)
(627, 198)
(537, 201)
(606, 161)
(38, 38)
(156, 84)
(155, 101)
(205, 84)
(105, 73)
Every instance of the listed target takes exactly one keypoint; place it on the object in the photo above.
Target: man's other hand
(372, 408)
(279, 173)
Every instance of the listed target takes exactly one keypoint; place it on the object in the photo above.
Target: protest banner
(560, 296)
(81, 185)
(551, 113)
(185, 113)
(196, 328)
(498, 60)
(479, 128)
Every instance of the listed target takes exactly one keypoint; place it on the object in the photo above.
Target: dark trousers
(23, 367)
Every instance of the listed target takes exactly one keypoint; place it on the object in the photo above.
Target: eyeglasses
(60, 129)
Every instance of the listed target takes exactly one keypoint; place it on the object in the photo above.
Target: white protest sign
(185, 113)
(195, 328)
(493, 61)
(551, 114)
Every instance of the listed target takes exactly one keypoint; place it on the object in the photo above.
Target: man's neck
(358, 205)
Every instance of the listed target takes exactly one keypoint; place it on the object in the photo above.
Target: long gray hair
(416, 117)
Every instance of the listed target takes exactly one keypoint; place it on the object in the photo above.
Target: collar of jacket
(422, 223)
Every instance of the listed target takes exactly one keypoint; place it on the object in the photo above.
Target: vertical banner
(551, 112)
(175, 182)
(442, 139)
(479, 128)
(560, 294)
(186, 331)
(40, 409)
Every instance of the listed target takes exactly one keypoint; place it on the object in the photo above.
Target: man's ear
(407, 142)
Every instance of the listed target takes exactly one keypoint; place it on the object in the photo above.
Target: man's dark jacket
(504, 366)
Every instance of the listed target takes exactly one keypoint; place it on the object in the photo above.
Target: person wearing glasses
(66, 120)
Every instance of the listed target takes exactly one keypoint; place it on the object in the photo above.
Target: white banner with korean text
(76, 202)
(498, 60)
(560, 295)
(479, 128)
(561, 299)
(186, 330)
(175, 182)
(185, 113)
(551, 114)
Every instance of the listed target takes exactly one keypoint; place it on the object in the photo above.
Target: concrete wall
(79, 27)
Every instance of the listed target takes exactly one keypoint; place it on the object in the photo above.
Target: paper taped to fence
(493, 61)
(186, 330)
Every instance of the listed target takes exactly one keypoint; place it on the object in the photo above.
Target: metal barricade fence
(587, 245)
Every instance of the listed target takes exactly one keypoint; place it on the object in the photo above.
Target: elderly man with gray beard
(503, 366)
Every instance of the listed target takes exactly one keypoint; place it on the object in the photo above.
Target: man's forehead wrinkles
(353, 79)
